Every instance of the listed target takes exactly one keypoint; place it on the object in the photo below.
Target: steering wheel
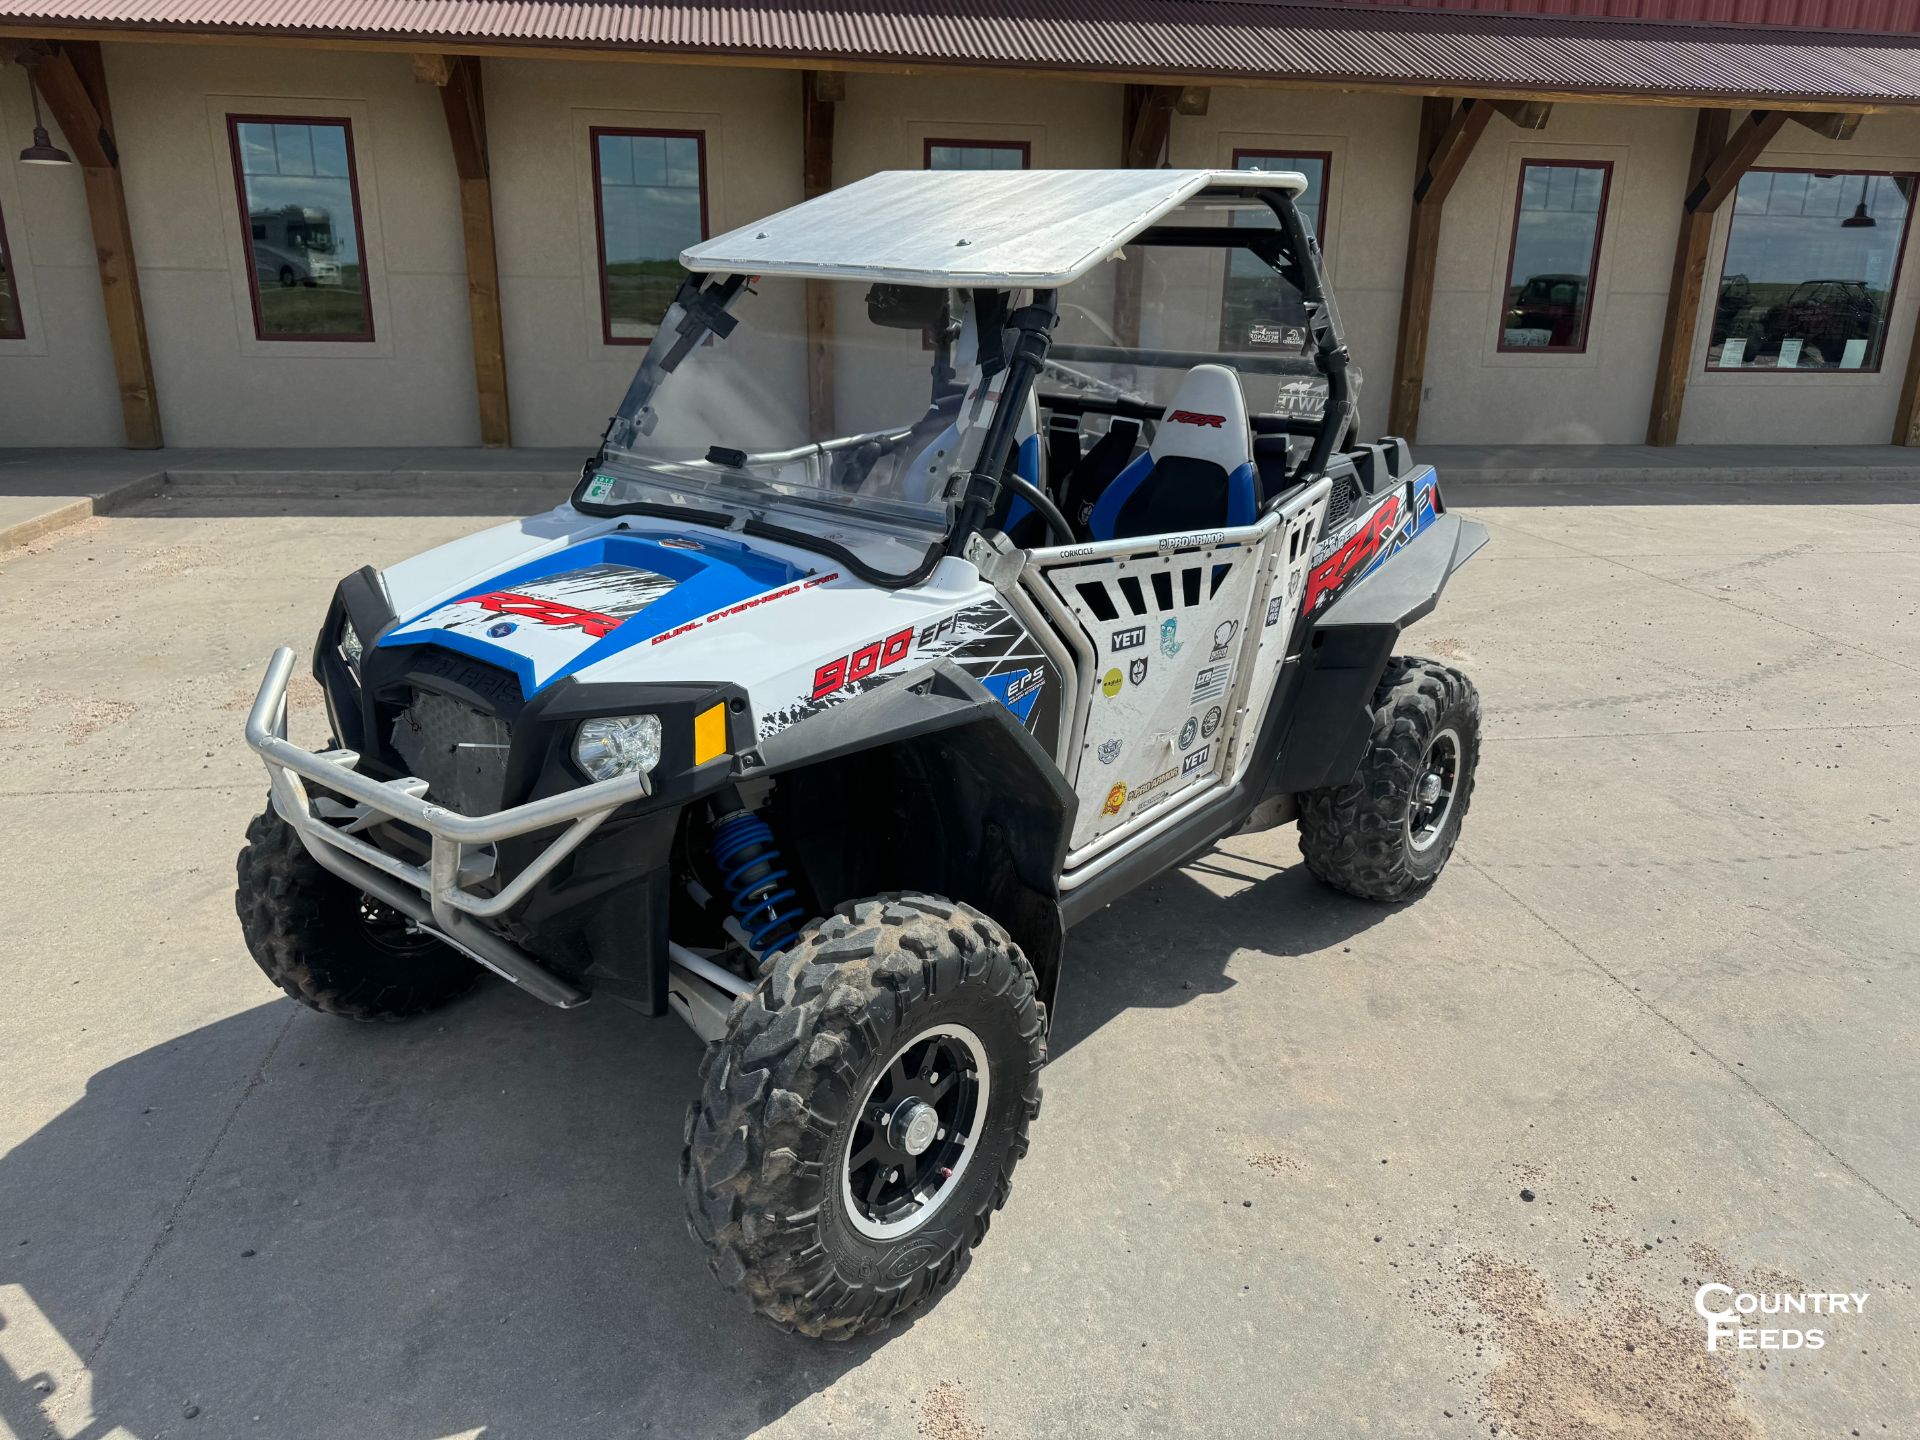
(1056, 523)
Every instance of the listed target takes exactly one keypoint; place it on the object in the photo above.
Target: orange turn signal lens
(710, 734)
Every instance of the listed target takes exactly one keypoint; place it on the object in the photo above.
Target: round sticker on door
(1111, 683)
(1188, 731)
(1116, 798)
(1211, 723)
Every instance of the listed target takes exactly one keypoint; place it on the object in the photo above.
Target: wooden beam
(1463, 130)
(72, 84)
(818, 96)
(1713, 173)
(463, 100)
(1834, 124)
(1741, 149)
(1148, 120)
(1527, 114)
(1447, 138)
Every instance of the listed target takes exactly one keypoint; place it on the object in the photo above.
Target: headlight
(618, 745)
(350, 644)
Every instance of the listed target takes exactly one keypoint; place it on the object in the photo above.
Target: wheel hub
(914, 1134)
(913, 1127)
(1431, 804)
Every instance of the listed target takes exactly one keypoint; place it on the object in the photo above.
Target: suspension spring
(752, 870)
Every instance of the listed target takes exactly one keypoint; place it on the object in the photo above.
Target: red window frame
(1893, 281)
(1605, 167)
(12, 326)
(699, 138)
(1025, 147)
(1325, 157)
(234, 122)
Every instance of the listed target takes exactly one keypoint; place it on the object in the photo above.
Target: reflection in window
(650, 187)
(300, 203)
(1261, 311)
(1556, 242)
(11, 327)
(978, 155)
(1808, 278)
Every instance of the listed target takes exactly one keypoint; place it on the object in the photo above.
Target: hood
(578, 605)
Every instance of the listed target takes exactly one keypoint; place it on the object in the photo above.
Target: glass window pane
(976, 155)
(1260, 310)
(1807, 281)
(652, 206)
(302, 226)
(1556, 241)
(11, 327)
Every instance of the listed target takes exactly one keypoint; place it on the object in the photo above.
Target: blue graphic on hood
(698, 577)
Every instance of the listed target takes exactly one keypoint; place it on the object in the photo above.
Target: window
(1812, 258)
(978, 155)
(11, 327)
(300, 209)
(650, 199)
(1260, 311)
(1557, 219)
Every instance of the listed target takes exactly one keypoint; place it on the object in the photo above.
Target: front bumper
(438, 896)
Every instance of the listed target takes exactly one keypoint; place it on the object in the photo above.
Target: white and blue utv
(957, 561)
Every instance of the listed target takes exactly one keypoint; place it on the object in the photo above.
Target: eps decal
(1016, 689)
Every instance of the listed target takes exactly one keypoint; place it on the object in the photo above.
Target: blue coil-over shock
(755, 877)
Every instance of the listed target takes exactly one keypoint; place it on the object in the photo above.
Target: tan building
(327, 225)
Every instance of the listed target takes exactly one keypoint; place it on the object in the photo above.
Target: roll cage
(1019, 341)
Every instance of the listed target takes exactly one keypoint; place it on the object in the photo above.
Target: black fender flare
(1348, 649)
(1005, 810)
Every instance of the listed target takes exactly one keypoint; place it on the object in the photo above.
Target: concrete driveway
(1669, 989)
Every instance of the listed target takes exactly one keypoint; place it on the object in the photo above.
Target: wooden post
(464, 101)
(1447, 138)
(72, 82)
(819, 93)
(1713, 173)
(1146, 126)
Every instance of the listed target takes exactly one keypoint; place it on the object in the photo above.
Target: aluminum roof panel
(1008, 228)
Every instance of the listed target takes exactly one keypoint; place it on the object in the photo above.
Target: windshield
(864, 416)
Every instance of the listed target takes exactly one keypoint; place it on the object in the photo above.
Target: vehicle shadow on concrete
(1551, 495)
(1171, 941)
(463, 1225)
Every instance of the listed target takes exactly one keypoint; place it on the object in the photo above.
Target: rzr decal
(1191, 417)
(1372, 538)
(545, 612)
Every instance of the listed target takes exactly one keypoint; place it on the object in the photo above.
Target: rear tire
(330, 947)
(899, 1021)
(1386, 834)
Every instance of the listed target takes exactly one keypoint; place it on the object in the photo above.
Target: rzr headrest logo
(1194, 417)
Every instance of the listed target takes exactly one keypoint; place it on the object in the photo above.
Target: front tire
(330, 947)
(859, 1123)
(1386, 834)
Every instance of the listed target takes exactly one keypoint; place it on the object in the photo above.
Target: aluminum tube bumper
(436, 895)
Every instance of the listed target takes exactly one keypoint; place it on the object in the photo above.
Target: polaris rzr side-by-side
(944, 574)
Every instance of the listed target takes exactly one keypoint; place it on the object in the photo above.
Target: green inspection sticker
(599, 487)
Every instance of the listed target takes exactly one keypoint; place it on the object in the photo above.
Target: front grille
(460, 752)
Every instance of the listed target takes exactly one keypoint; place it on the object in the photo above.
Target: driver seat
(1197, 474)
